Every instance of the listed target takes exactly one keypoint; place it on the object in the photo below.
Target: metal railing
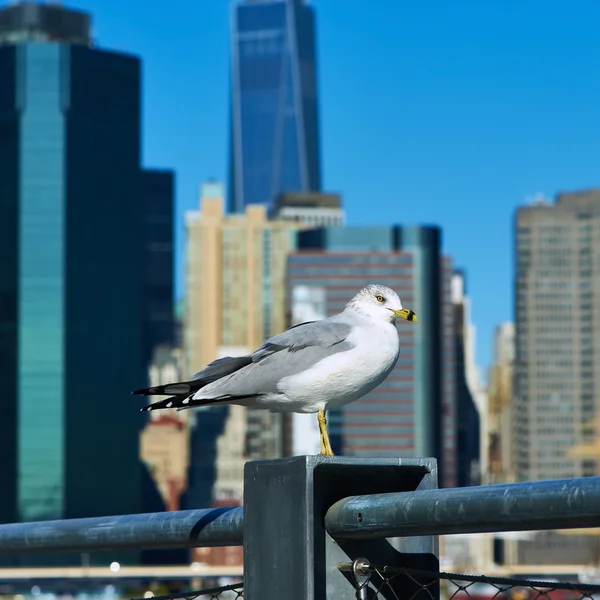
(306, 517)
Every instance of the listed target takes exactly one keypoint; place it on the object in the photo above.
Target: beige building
(164, 447)
(500, 400)
(557, 362)
(236, 282)
(165, 440)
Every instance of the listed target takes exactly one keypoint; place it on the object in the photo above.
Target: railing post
(287, 551)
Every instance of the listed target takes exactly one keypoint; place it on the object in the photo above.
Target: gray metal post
(287, 551)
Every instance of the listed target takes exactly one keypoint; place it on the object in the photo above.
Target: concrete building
(311, 209)
(164, 448)
(165, 439)
(501, 398)
(414, 411)
(557, 327)
(236, 285)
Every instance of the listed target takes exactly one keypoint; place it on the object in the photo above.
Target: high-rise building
(470, 397)
(557, 324)
(312, 209)
(274, 126)
(71, 264)
(500, 394)
(236, 291)
(158, 191)
(413, 412)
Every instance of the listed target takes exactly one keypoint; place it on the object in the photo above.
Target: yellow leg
(325, 445)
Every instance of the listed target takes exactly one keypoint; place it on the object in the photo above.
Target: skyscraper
(413, 412)
(236, 299)
(71, 264)
(500, 406)
(557, 325)
(158, 192)
(470, 401)
(274, 124)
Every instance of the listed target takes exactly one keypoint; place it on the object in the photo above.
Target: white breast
(345, 376)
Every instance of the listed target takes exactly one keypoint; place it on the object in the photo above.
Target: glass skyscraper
(274, 114)
(158, 191)
(72, 258)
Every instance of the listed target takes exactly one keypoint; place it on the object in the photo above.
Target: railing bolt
(362, 574)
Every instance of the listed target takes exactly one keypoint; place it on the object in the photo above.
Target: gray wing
(321, 334)
(286, 354)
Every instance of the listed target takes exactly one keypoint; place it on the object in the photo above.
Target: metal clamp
(361, 569)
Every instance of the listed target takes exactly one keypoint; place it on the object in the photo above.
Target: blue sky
(436, 112)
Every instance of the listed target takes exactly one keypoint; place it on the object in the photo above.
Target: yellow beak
(406, 314)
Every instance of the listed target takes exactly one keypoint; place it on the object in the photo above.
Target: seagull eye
(380, 298)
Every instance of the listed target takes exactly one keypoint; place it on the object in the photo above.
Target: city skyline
(441, 104)
(89, 264)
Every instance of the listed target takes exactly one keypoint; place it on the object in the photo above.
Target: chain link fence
(234, 591)
(382, 582)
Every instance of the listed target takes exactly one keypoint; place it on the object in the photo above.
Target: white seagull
(311, 367)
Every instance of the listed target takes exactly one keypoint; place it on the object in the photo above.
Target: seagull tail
(173, 402)
(183, 402)
(182, 388)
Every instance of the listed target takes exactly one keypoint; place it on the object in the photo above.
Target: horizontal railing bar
(561, 504)
(178, 529)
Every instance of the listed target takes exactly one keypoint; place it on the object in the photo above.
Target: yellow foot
(325, 444)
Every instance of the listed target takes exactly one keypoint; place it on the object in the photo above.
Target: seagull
(310, 367)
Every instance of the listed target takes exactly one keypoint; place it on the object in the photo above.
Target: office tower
(158, 192)
(71, 264)
(556, 390)
(312, 209)
(556, 327)
(470, 398)
(500, 395)
(235, 300)
(274, 127)
(413, 412)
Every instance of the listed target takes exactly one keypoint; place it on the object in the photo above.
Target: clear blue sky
(439, 112)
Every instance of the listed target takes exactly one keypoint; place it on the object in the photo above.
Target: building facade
(471, 400)
(158, 192)
(413, 412)
(312, 209)
(71, 264)
(501, 397)
(274, 123)
(236, 291)
(557, 325)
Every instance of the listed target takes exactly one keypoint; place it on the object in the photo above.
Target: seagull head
(382, 303)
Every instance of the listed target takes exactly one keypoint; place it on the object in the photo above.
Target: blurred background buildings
(87, 295)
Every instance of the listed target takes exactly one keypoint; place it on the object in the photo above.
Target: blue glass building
(413, 412)
(72, 257)
(274, 114)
